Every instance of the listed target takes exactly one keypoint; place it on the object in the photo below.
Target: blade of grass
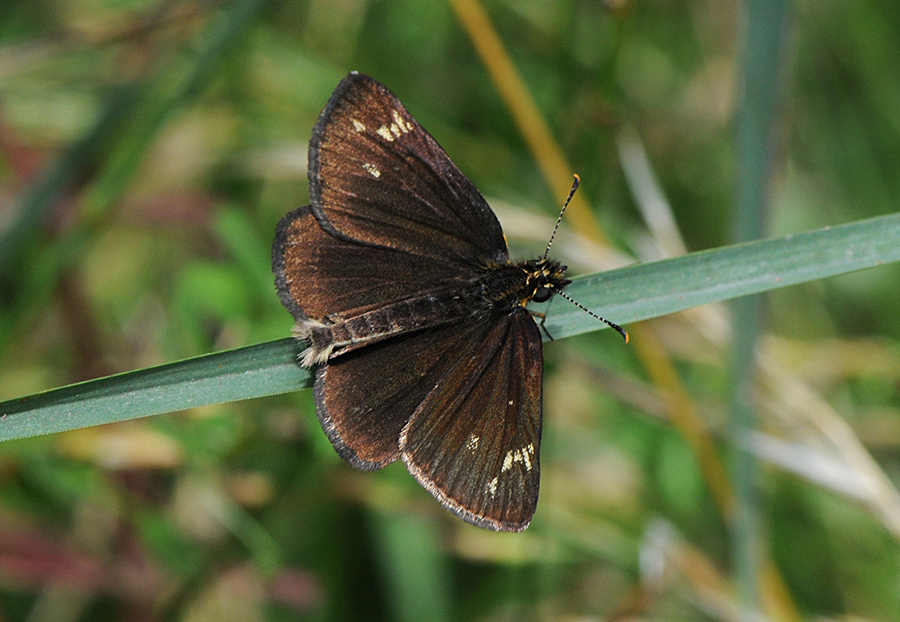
(624, 295)
(654, 289)
(416, 571)
(220, 38)
(253, 371)
(763, 33)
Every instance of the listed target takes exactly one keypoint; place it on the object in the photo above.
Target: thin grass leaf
(253, 371)
(416, 572)
(762, 62)
(625, 295)
(654, 289)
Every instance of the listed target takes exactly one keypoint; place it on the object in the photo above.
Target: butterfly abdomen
(335, 335)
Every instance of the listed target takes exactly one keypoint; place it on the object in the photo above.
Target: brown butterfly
(399, 278)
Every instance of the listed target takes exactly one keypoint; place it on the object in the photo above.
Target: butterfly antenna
(612, 325)
(561, 212)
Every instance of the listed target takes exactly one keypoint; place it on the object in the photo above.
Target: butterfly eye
(541, 294)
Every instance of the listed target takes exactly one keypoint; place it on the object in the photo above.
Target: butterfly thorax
(515, 284)
(500, 289)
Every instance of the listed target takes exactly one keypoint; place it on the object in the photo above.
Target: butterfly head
(543, 278)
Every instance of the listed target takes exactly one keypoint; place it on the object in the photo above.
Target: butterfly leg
(543, 317)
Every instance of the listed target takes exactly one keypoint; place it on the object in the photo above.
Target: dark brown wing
(474, 442)
(318, 274)
(378, 177)
(392, 218)
(365, 398)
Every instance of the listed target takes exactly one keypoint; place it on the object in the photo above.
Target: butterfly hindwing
(318, 274)
(366, 397)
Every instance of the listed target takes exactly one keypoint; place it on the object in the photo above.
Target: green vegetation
(739, 455)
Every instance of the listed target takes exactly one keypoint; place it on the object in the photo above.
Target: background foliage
(146, 152)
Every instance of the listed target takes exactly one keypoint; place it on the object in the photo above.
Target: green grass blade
(414, 567)
(762, 59)
(625, 295)
(253, 371)
(654, 289)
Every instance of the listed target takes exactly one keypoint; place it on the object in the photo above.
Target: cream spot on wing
(372, 169)
(385, 133)
(492, 487)
(526, 456)
(472, 443)
(358, 126)
(404, 125)
(523, 455)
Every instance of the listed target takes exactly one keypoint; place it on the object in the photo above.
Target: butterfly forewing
(474, 442)
(376, 176)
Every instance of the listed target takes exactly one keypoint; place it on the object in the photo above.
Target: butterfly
(400, 282)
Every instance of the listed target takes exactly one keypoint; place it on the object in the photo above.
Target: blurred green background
(147, 151)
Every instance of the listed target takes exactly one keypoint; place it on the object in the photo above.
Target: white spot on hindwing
(358, 126)
(372, 170)
(523, 455)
